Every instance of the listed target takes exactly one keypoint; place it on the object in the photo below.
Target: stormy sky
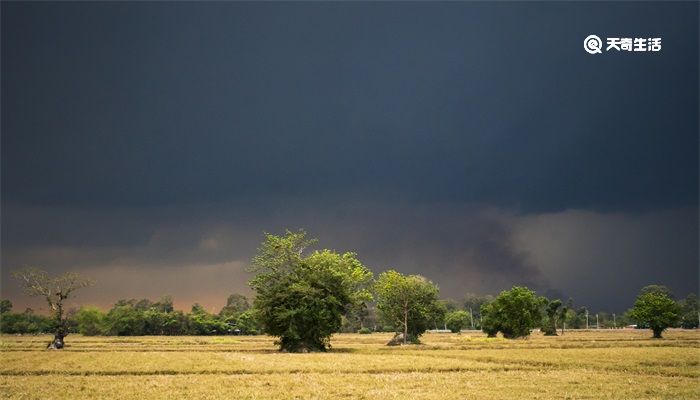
(149, 145)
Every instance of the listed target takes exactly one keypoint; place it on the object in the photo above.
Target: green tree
(581, 318)
(407, 302)
(55, 290)
(655, 309)
(301, 299)
(437, 314)
(457, 320)
(25, 322)
(125, 320)
(204, 323)
(451, 305)
(172, 323)
(143, 305)
(198, 309)
(247, 322)
(5, 306)
(354, 318)
(553, 313)
(155, 322)
(690, 312)
(514, 313)
(165, 304)
(90, 321)
(489, 319)
(568, 316)
(235, 305)
(472, 304)
(657, 289)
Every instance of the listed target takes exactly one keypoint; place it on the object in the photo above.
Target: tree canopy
(457, 320)
(553, 312)
(655, 309)
(301, 298)
(690, 312)
(514, 313)
(408, 302)
(236, 304)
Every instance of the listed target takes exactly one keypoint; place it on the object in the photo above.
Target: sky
(149, 146)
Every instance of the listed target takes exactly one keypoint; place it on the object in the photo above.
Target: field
(624, 364)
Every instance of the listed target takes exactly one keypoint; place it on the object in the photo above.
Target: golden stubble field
(621, 364)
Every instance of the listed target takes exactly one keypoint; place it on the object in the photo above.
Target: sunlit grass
(590, 364)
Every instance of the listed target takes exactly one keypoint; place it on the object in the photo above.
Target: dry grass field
(579, 365)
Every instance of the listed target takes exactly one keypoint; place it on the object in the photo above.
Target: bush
(457, 320)
(364, 331)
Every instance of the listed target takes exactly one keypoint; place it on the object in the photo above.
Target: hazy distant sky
(149, 145)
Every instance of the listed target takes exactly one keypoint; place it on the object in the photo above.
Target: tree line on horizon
(304, 298)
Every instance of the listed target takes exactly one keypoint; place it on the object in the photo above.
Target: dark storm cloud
(474, 143)
(147, 104)
(600, 259)
(462, 249)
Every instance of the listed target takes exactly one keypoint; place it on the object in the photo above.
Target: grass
(579, 365)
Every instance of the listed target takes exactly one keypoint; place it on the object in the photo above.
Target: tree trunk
(657, 333)
(405, 324)
(56, 343)
(61, 330)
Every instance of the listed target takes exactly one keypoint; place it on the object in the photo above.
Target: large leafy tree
(55, 290)
(301, 298)
(407, 302)
(656, 309)
(513, 313)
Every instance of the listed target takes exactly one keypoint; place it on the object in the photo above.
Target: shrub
(457, 320)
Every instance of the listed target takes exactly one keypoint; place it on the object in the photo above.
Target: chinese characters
(633, 44)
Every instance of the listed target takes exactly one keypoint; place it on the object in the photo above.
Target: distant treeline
(140, 317)
(145, 317)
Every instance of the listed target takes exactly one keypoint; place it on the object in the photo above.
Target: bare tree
(55, 289)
